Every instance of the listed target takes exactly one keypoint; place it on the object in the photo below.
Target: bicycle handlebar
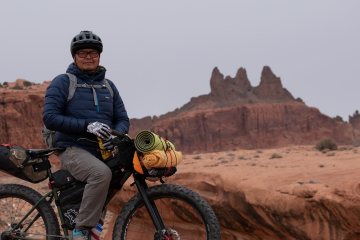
(117, 133)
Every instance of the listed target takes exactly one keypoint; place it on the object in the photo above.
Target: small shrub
(339, 119)
(27, 83)
(275, 155)
(299, 100)
(17, 87)
(326, 144)
(197, 157)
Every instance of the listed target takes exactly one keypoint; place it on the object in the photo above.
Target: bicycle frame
(122, 166)
(53, 195)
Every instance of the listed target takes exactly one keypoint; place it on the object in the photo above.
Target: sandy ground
(284, 183)
(295, 171)
(275, 169)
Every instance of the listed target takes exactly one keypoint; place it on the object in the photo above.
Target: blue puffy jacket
(70, 118)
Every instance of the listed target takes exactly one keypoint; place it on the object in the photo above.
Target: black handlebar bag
(16, 161)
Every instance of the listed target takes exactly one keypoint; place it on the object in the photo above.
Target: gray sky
(160, 53)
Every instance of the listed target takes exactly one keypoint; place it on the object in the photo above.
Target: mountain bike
(158, 212)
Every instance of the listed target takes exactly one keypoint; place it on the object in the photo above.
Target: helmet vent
(86, 39)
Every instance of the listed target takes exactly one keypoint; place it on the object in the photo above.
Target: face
(87, 59)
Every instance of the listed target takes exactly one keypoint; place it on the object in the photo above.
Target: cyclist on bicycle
(79, 122)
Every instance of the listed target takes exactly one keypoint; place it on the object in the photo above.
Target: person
(90, 114)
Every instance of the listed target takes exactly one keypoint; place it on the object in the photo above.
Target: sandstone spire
(270, 87)
(216, 82)
(228, 87)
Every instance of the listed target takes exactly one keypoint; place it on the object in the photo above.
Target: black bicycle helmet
(86, 39)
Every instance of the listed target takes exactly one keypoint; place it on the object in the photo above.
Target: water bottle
(96, 232)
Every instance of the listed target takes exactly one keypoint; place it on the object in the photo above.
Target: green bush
(27, 83)
(326, 144)
(17, 87)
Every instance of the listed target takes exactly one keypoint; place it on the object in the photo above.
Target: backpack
(49, 135)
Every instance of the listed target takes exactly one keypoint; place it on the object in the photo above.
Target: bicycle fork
(150, 205)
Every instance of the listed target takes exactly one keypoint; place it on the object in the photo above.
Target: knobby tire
(15, 201)
(190, 216)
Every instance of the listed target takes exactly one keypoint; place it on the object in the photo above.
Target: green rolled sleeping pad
(146, 141)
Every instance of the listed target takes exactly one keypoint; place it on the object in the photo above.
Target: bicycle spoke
(14, 209)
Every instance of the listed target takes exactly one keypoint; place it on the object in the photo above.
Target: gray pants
(87, 168)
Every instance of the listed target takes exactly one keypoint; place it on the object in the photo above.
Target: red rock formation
(20, 117)
(354, 120)
(233, 115)
(251, 126)
(230, 91)
(270, 88)
(236, 115)
(229, 88)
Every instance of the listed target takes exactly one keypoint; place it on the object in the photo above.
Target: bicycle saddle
(36, 153)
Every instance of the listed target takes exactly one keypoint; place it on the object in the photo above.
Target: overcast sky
(160, 53)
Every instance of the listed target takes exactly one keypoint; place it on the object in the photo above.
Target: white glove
(99, 129)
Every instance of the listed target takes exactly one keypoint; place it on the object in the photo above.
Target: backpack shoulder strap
(72, 85)
(107, 84)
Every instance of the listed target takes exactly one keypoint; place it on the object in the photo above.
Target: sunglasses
(84, 54)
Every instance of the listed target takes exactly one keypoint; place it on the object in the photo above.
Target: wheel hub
(169, 234)
(12, 233)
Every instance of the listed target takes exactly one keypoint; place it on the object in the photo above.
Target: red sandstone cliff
(251, 126)
(20, 116)
(236, 115)
(233, 115)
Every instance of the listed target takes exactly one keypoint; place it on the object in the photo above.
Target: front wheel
(16, 201)
(185, 214)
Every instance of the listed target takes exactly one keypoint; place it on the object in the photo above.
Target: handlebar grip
(117, 133)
